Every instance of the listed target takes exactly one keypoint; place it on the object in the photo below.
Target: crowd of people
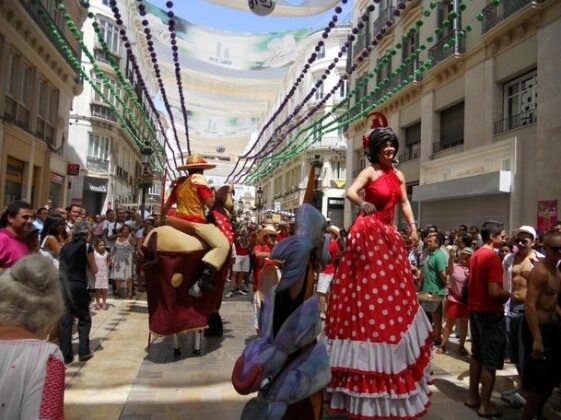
(388, 297)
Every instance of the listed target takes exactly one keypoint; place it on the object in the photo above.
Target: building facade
(478, 123)
(283, 188)
(37, 85)
(107, 127)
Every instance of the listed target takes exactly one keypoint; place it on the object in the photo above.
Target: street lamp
(145, 152)
(317, 163)
(259, 194)
(240, 207)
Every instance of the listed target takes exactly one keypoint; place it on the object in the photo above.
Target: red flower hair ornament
(378, 120)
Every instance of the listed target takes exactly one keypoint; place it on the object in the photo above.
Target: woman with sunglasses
(516, 271)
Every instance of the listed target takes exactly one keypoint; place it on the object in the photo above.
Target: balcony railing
(410, 154)
(409, 70)
(387, 14)
(97, 164)
(444, 144)
(493, 15)
(442, 49)
(516, 121)
(362, 41)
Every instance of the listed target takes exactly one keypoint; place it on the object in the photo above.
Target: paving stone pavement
(126, 380)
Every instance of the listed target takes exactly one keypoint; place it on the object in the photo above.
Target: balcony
(516, 121)
(409, 70)
(494, 15)
(34, 8)
(444, 144)
(97, 164)
(387, 14)
(103, 112)
(411, 153)
(362, 41)
(442, 49)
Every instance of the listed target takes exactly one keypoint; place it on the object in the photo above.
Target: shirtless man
(542, 330)
(516, 271)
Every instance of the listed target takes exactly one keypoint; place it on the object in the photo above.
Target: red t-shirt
(333, 251)
(261, 263)
(484, 268)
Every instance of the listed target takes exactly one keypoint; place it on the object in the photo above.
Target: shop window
(318, 84)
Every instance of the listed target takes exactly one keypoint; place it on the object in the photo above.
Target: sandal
(463, 351)
(441, 350)
(495, 412)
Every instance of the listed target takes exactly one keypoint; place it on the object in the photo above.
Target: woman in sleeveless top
(378, 338)
(122, 258)
(53, 235)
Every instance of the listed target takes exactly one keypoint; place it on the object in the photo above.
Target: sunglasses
(523, 241)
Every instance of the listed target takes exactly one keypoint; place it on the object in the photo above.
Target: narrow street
(126, 381)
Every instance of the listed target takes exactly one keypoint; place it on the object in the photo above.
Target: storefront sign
(547, 215)
(56, 179)
(98, 185)
(73, 169)
(14, 170)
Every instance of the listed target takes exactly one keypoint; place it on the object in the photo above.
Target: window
(110, 33)
(443, 9)
(321, 52)
(19, 91)
(105, 57)
(520, 102)
(47, 112)
(318, 84)
(56, 14)
(343, 88)
(384, 71)
(102, 111)
(109, 95)
(98, 147)
(451, 127)
(361, 87)
(412, 143)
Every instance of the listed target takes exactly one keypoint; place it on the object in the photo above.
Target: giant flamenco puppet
(185, 265)
(286, 365)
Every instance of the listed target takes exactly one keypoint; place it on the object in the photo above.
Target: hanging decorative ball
(262, 7)
(220, 148)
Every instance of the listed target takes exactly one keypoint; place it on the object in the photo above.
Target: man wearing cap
(15, 224)
(516, 272)
(326, 275)
(192, 194)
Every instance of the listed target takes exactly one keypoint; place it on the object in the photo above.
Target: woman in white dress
(122, 259)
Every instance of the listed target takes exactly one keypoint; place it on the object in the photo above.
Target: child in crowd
(102, 259)
(455, 309)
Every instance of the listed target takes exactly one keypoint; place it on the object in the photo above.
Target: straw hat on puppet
(196, 162)
(267, 230)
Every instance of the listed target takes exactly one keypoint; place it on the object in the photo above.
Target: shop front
(94, 194)
(13, 189)
(56, 190)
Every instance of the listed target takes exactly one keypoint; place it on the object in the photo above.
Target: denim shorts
(488, 335)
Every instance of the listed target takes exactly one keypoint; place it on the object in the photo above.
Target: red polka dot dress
(378, 338)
